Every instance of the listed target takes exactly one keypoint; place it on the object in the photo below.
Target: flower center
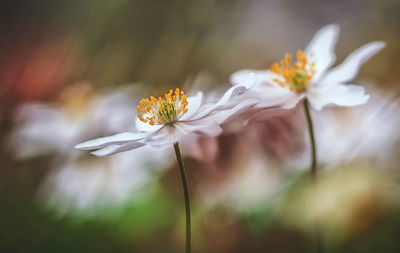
(295, 76)
(163, 110)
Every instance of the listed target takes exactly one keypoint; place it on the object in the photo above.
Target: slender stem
(313, 171)
(187, 199)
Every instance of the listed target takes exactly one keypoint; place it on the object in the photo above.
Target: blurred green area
(47, 46)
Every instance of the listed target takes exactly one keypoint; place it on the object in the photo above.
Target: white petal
(337, 94)
(115, 148)
(109, 140)
(181, 130)
(287, 100)
(348, 70)
(222, 116)
(270, 93)
(211, 130)
(250, 77)
(205, 127)
(290, 100)
(321, 49)
(246, 78)
(231, 92)
(263, 115)
(146, 127)
(221, 104)
(167, 135)
(194, 103)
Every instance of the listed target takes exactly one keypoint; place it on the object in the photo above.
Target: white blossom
(173, 117)
(311, 76)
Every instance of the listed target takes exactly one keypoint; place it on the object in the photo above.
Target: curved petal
(221, 104)
(205, 127)
(181, 130)
(194, 103)
(110, 140)
(146, 127)
(222, 116)
(262, 115)
(250, 77)
(289, 101)
(115, 148)
(321, 49)
(167, 135)
(337, 94)
(348, 70)
(247, 78)
(267, 90)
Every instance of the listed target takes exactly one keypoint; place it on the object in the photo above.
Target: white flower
(346, 135)
(251, 182)
(171, 118)
(93, 184)
(286, 83)
(45, 128)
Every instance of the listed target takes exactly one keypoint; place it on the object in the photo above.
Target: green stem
(187, 199)
(313, 170)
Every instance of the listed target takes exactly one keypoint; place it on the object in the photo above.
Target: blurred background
(75, 70)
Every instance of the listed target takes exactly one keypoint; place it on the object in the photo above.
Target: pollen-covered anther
(163, 110)
(295, 76)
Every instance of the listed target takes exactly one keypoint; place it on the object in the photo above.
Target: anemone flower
(309, 79)
(80, 113)
(286, 83)
(169, 119)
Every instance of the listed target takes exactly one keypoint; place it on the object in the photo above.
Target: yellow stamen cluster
(163, 110)
(295, 76)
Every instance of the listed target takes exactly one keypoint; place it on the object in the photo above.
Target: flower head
(88, 184)
(295, 76)
(78, 113)
(286, 83)
(171, 118)
(163, 110)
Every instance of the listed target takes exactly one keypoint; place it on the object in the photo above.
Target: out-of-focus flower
(286, 83)
(43, 128)
(370, 131)
(345, 201)
(201, 148)
(91, 184)
(169, 119)
(245, 177)
(75, 182)
(249, 185)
